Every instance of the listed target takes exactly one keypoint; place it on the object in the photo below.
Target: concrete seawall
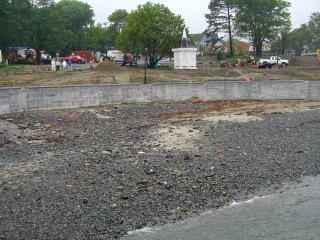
(55, 97)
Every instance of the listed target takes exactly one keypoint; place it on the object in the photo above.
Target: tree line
(53, 27)
(151, 29)
(262, 22)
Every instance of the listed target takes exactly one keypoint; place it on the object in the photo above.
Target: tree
(14, 23)
(117, 21)
(261, 20)
(314, 26)
(96, 38)
(152, 29)
(281, 41)
(77, 16)
(218, 19)
(300, 38)
(47, 28)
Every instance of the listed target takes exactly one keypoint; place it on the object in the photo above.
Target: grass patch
(9, 69)
(235, 58)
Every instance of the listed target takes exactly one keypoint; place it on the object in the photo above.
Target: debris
(299, 151)
(179, 174)
(144, 182)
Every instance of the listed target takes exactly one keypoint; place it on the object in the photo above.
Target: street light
(145, 66)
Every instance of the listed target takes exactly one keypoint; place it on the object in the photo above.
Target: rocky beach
(97, 173)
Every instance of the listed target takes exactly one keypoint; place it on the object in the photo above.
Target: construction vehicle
(22, 55)
(318, 55)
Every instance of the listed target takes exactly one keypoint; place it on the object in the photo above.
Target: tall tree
(314, 26)
(261, 20)
(117, 22)
(300, 38)
(152, 29)
(47, 28)
(96, 38)
(219, 18)
(281, 41)
(14, 23)
(78, 16)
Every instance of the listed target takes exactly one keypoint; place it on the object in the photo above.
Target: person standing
(57, 65)
(53, 64)
(64, 64)
(69, 64)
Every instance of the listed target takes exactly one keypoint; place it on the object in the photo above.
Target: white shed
(185, 54)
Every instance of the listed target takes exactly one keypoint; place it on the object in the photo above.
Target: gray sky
(193, 11)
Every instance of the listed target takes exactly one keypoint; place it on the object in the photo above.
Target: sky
(193, 11)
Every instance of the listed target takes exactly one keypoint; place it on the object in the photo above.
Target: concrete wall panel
(55, 97)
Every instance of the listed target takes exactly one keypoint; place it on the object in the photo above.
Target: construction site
(208, 69)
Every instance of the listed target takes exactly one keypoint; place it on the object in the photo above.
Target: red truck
(74, 59)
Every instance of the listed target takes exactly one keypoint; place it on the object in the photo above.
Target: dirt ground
(209, 69)
(172, 137)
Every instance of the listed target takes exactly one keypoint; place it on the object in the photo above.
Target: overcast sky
(193, 11)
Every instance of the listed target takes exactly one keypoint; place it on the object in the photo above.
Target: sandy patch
(184, 137)
(233, 118)
(102, 116)
(180, 137)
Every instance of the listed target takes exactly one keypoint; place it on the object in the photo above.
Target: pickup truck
(275, 60)
(74, 59)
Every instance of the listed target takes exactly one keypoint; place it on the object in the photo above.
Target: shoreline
(98, 173)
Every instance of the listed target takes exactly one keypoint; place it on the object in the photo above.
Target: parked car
(74, 59)
(275, 60)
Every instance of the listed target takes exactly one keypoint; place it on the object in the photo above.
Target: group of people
(55, 64)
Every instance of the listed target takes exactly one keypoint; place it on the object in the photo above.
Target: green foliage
(117, 21)
(281, 41)
(152, 29)
(96, 38)
(314, 26)
(77, 17)
(219, 18)
(261, 20)
(299, 38)
(14, 22)
(44, 24)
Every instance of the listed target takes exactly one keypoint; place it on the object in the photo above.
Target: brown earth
(209, 69)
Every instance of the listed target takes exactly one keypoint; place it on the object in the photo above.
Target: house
(202, 43)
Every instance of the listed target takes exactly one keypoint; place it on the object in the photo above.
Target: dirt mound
(303, 61)
(107, 66)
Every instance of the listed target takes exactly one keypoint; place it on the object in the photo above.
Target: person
(69, 64)
(64, 64)
(53, 65)
(57, 65)
(101, 59)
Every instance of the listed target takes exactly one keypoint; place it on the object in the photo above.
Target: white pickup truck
(275, 61)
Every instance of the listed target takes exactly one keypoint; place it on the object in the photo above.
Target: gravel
(97, 173)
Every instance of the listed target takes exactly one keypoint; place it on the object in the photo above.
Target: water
(293, 213)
